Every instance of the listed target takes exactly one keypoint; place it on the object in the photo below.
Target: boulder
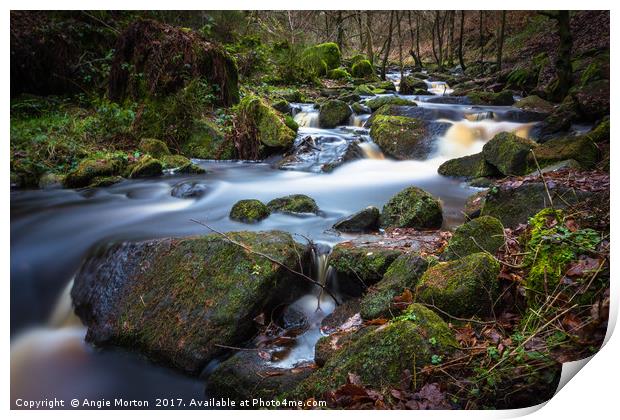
(593, 100)
(249, 211)
(90, 168)
(50, 181)
(579, 148)
(473, 166)
(154, 147)
(268, 124)
(105, 181)
(328, 53)
(412, 208)
(189, 190)
(338, 74)
(380, 355)
(409, 85)
(535, 103)
(484, 233)
(379, 101)
(504, 98)
(363, 69)
(464, 287)
(146, 167)
(365, 220)
(333, 112)
(207, 141)
(281, 105)
(401, 137)
(293, 204)
(179, 300)
(508, 153)
(402, 274)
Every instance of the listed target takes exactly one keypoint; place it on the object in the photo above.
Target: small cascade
(306, 116)
(479, 116)
(438, 88)
(358, 120)
(63, 315)
(371, 150)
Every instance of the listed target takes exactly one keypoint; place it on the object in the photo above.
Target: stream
(52, 231)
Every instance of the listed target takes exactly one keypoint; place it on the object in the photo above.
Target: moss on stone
(333, 112)
(380, 356)
(473, 166)
(281, 105)
(90, 168)
(362, 69)
(400, 137)
(154, 147)
(146, 167)
(207, 141)
(378, 102)
(534, 103)
(402, 274)
(338, 74)
(295, 203)
(508, 153)
(105, 181)
(321, 58)
(409, 85)
(464, 287)
(412, 208)
(503, 98)
(579, 148)
(269, 125)
(249, 211)
(181, 164)
(485, 233)
(364, 90)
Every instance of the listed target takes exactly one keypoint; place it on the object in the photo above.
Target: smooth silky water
(52, 231)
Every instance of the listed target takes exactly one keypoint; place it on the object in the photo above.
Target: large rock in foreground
(333, 113)
(401, 137)
(412, 208)
(508, 153)
(484, 233)
(365, 220)
(472, 166)
(179, 300)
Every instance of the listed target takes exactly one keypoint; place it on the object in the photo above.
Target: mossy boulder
(402, 274)
(401, 137)
(579, 148)
(49, 181)
(179, 300)
(593, 100)
(363, 69)
(246, 376)
(380, 356)
(484, 233)
(333, 112)
(321, 58)
(268, 124)
(503, 98)
(90, 168)
(360, 109)
(289, 95)
(412, 208)
(282, 106)
(146, 167)
(535, 103)
(295, 203)
(207, 141)
(364, 90)
(508, 153)
(338, 74)
(379, 101)
(180, 164)
(105, 181)
(472, 166)
(154, 147)
(358, 267)
(249, 211)
(464, 287)
(365, 220)
(410, 85)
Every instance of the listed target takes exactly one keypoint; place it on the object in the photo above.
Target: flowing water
(52, 231)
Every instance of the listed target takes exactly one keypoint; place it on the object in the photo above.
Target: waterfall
(371, 150)
(306, 115)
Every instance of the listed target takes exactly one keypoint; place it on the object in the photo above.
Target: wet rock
(464, 287)
(473, 166)
(363, 69)
(207, 141)
(349, 98)
(249, 211)
(508, 153)
(341, 314)
(90, 168)
(181, 164)
(379, 101)
(333, 113)
(401, 137)
(593, 100)
(412, 208)
(490, 98)
(386, 85)
(364, 90)
(292, 318)
(154, 147)
(535, 103)
(380, 355)
(482, 182)
(289, 95)
(338, 74)
(246, 376)
(559, 121)
(281, 105)
(473, 205)
(402, 274)
(366, 220)
(189, 190)
(105, 181)
(360, 109)
(295, 204)
(485, 233)
(50, 181)
(579, 148)
(267, 123)
(179, 300)
(146, 167)
(451, 100)
(409, 85)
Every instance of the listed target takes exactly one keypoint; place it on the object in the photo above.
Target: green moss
(362, 266)
(551, 246)
(601, 133)
(154, 147)
(364, 90)
(295, 203)
(473, 166)
(380, 356)
(579, 148)
(400, 137)
(146, 167)
(378, 102)
(207, 141)
(362, 69)
(90, 168)
(289, 95)
(464, 287)
(384, 85)
(534, 103)
(509, 153)
(281, 105)
(249, 211)
(271, 129)
(402, 274)
(412, 208)
(491, 98)
(333, 112)
(328, 52)
(409, 85)
(485, 233)
(105, 181)
(338, 74)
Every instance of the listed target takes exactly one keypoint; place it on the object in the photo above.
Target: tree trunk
(340, 33)
(360, 29)
(563, 66)
(500, 41)
(400, 44)
(417, 39)
(461, 61)
(451, 48)
(416, 57)
(389, 45)
(481, 39)
(433, 31)
(370, 53)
